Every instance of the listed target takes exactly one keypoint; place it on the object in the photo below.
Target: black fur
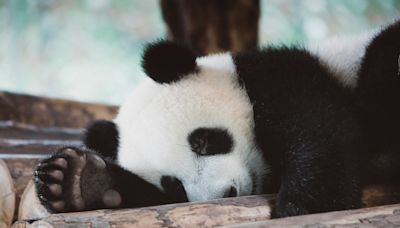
(94, 182)
(210, 141)
(230, 192)
(173, 187)
(167, 62)
(304, 124)
(102, 137)
(378, 99)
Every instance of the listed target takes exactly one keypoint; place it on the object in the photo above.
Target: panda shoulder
(342, 55)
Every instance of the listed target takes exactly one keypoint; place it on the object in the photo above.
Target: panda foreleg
(75, 180)
(318, 181)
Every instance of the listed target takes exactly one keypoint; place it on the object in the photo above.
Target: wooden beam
(247, 211)
(201, 214)
(7, 196)
(51, 112)
(383, 216)
(210, 26)
(23, 145)
(24, 140)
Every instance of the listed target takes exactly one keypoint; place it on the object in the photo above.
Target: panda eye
(210, 141)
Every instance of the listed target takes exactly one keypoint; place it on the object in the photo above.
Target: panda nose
(230, 192)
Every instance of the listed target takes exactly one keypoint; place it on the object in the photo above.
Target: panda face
(197, 130)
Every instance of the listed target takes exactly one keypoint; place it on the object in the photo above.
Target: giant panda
(313, 125)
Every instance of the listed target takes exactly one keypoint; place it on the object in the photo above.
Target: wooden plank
(21, 171)
(24, 140)
(50, 112)
(23, 145)
(247, 211)
(30, 207)
(383, 216)
(14, 130)
(201, 214)
(7, 196)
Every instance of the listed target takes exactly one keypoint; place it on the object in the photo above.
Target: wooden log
(7, 196)
(383, 216)
(24, 140)
(14, 130)
(21, 171)
(30, 206)
(51, 112)
(210, 26)
(248, 211)
(23, 145)
(201, 214)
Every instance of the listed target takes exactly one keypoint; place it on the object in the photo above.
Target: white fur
(343, 55)
(156, 120)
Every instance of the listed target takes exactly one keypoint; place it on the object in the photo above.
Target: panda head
(193, 121)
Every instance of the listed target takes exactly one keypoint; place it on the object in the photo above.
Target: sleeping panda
(312, 125)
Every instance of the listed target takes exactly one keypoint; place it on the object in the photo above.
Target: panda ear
(166, 61)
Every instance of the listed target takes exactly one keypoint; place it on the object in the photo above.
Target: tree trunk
(209, 26)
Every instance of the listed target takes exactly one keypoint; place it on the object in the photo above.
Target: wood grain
(202, 214)
(383, 216)
(248, 211)
(50, 112)
(7, 196)
(23, 145)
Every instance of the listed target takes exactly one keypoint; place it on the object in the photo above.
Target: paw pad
(75, 180)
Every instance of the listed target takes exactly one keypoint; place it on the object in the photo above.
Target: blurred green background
(90, 50)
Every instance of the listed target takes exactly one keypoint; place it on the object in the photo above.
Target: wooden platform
(26, 138)
(250, 211)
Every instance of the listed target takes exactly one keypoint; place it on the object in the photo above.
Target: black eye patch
(210, 141)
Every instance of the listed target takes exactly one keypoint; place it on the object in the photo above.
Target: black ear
(102, 137)
(166, 62)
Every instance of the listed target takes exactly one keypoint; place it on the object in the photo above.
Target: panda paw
(75, 180)
(287, 209)
(288, 205)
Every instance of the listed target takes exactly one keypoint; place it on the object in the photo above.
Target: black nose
(231, 192)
